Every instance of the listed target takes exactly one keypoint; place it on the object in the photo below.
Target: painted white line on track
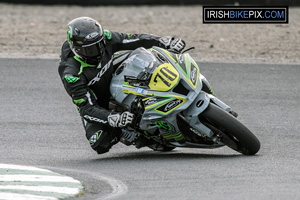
(37, 178)
(118, 187)
(64, 190)
(13, 196)
(31, 183)
(19, 167)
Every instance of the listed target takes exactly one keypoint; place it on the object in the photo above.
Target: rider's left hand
(172, 44)
(177, 45)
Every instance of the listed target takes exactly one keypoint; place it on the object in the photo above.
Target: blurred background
(158, 2)
(34, 28)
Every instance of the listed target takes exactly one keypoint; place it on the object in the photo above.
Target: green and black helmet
(86, 39)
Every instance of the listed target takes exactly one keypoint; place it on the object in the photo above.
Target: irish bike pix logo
(245, 14)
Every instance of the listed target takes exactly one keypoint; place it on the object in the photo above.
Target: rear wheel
(230, 130)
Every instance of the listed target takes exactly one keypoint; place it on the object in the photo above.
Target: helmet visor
(91, 50)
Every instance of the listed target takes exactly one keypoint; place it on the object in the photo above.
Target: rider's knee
(101, 141)
(101, 150)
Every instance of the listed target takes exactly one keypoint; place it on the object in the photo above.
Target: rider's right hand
(120, 119)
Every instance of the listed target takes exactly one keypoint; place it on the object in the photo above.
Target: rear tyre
(235, 132)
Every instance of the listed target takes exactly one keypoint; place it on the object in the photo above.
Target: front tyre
(246, 142)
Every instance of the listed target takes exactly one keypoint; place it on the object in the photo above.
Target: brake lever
(187, 50)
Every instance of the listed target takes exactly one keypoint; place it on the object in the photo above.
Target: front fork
(197, 107)
(207, 88)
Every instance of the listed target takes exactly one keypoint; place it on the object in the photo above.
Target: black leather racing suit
(88, 85)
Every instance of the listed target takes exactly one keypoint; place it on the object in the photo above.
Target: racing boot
(127, 137)
(130, 137)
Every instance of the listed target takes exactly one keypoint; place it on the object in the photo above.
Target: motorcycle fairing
(167, 101)
(184, 63)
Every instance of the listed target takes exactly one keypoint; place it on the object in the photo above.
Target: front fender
(219, 103)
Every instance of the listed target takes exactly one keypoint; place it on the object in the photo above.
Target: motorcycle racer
(88, 59)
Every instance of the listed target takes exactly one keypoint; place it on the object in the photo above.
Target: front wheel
(235, 132)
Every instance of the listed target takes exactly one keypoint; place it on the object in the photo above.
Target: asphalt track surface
(40, 127)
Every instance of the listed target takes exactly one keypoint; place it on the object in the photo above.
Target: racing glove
(120, 119)
(170, 43)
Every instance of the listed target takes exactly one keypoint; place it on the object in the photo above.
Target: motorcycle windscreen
(139, 63)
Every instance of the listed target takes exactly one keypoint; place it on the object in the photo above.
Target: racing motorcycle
(174, 104)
